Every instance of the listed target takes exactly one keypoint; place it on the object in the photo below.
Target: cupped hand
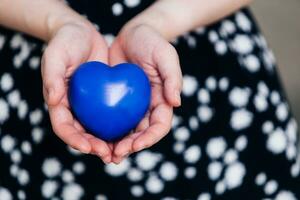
(144, 46)
(71, 45)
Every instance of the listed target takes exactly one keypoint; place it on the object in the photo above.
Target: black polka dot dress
(234, 137)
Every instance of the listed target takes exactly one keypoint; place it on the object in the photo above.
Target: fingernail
(105, 159)
(141, 147)
(85, 147)
(177, 96)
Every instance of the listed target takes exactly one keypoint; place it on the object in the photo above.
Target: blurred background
(280, 22)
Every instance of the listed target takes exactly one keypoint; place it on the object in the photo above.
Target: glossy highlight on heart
(109, 101)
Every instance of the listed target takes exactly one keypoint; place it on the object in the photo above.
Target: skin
(143, 40)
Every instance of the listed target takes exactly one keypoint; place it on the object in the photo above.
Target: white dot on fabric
(267, 127)
(295, 170)
(4, 114)
(14, 170)
(49, 188)
(6, 82)
(243, 22)
(117, 9)
(291, 130)
(242, 44)
(2, 41)
(214, 170)
(117, 170)
(203, 96)
(178, 147)
(234, 175)
(35, 116)
(190, 85)
(67, 176)
(23, 177)
(223, 84)
(168, 171)
(72, 191)
(291, 152)
(154, 184)
(277, 141)
(282, 111)
(220, 187)
(16, 156)
(213, 36)
(181, 134)
(22, 109)
(239, 97)
(260, 103)
(100, 197)
(5, 194)
(261, 179)
(227, 27)
(241, 119)
(26, 147)
(109, 38)
(275, 98)
(14, 98)
(147, 160)
(241, 143)
(263, 88)
(131, 3)
(134, 174)
(204, 196)
(192, 154)
(190, 172)
(193, 123)
(34, 62)
(21, 195)
(251, 62)
(211, 83)
(230, 156)
(51, 167)
(220, 47)
(216, 147)
(270, 187)
(78, 167)
(285, 195)
(205, 113)
(37, 134)
(137, 191)
(7, 143)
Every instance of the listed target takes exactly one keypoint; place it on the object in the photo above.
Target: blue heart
(109, 101)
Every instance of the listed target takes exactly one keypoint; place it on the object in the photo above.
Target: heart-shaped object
(109, 101)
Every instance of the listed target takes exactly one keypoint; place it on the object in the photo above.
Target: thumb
(53, 70)
(116, 54)
(168, 65)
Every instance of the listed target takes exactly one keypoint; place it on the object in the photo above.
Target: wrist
(56, 21)
(162, 17)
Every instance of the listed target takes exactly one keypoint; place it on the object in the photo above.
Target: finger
(78, 126)
(62, 123)
(160, 124)
(167, 60)
(124, 147)
(53, 70)
(116, 54)
(99, 148)
(100, 50)
(143, 124)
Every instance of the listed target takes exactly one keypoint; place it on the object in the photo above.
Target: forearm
(39, 18)
(175, 17)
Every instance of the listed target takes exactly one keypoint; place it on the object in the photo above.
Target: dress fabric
(234, 137)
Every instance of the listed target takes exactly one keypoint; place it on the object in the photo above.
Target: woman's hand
(69, 46)
(144, 46)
